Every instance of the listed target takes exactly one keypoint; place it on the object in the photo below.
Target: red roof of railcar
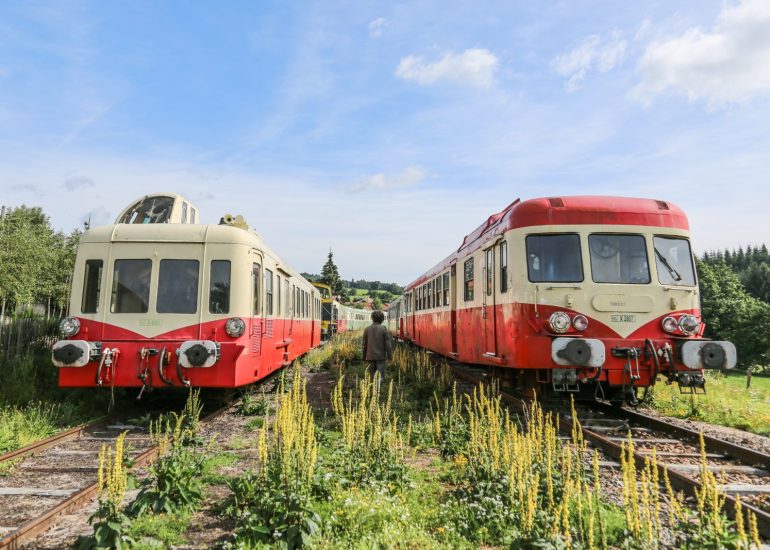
(577, 210)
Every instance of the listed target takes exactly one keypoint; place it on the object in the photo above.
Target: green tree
(330, 275)
(756, 279)
(732, 314)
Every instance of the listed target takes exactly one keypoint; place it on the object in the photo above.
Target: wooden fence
(21, 336)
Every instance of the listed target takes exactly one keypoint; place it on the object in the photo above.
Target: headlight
(689, 324)
(580, 322)
(69, 326)
(559, 322)
(235, 327)
(669, 324)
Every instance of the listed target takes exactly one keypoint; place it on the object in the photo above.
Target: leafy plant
(253, 405)
(175, 483)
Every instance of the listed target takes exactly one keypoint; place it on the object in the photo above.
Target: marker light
(560, 322)
(69, 327)
(669, 324)
(235, 327)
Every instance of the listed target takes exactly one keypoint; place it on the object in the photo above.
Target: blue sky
(386, 131)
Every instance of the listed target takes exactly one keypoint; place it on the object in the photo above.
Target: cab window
(673, 260)
(619, 259)
(554, 259)
(255, 277)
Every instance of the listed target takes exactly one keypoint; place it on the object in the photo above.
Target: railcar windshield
(619, 259)
(131, 286)
(178, 286)
(554, 259)
(219, 287)
(149, 210)
(673, 259)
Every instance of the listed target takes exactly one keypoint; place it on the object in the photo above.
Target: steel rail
(615, 450)
(32, 528)
(61, 437)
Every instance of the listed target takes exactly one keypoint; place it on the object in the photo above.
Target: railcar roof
(574, 210)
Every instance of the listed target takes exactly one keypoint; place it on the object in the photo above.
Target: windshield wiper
(671, 271)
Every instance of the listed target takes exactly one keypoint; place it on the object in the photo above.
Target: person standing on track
(377, 347)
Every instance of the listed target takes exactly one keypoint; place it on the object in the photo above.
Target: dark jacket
(377, 345)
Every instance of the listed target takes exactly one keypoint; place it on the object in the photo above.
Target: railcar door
(255, 329)
(488, 307)
(453, 306)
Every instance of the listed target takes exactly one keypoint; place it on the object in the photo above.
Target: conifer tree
(330, 275)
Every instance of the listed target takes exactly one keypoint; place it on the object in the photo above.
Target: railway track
(57, 476)
(677, 449)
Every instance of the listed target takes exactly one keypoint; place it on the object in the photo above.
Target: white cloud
(592, 54)
(76, 182)
(729, 63)
(473, 67)
(411, 176)
(376, 27)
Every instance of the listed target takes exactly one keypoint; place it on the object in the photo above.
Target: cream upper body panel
(201, 243)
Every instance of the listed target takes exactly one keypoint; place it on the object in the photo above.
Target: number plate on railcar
(623, 318)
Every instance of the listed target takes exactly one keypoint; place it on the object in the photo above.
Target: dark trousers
(378, 367)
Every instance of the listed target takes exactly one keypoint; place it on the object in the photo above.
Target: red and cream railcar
(159, 304)
(578, 293)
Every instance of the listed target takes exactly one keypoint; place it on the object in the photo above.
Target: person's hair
(378, 317)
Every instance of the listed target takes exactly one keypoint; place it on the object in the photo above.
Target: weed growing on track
(175, 482)
(373, 446)
(344, 348)
(109, 520)
(254, 405)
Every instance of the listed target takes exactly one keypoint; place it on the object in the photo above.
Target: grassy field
(727, 402)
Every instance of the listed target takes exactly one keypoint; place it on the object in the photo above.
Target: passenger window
(268, 292)
(503, 267)
(446, 289)
(287, 298)
(430, 294)
(438, 291)
(219, 287)
(554, 259)
(619, 259)
(184, 212)
(131, 286)
(468, 280)
(255, 276)
(178, 286)
(92, 286)
(278, 295)
(192, 215)
(490, 271)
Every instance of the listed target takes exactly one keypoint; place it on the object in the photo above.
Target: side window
(490, 271)
(278, 311)
(178, 286)
(446, 289)
(287, 298)
(430, 294)
(255, 276)
(192, 215)
(437, 288)
(503, 267)
(131, 286)
(268, 292)
(468, 280)
(184, 212)
(219, 287)
(92, 286)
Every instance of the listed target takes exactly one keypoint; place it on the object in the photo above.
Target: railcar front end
(574, 294)
(182, 305)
